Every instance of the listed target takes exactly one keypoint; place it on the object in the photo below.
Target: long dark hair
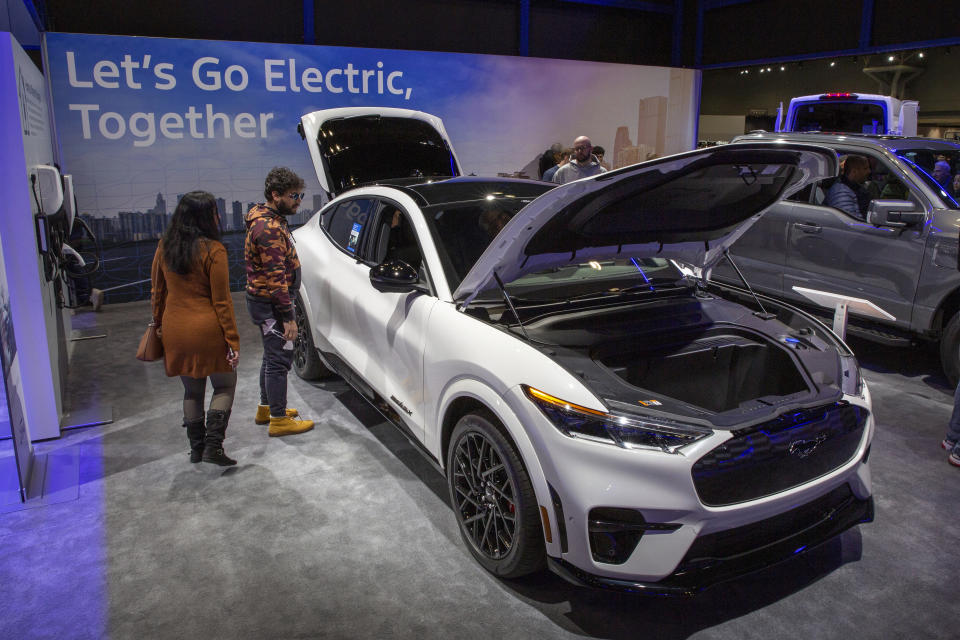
(193, 219)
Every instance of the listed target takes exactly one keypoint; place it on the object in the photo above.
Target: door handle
(807, 227)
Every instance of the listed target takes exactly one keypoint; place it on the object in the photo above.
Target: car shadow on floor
(390, 436)
(921, 362)
(615, 615)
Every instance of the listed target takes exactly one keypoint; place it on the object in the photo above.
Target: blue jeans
(953, 428)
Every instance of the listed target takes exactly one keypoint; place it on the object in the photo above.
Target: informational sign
(141, 121)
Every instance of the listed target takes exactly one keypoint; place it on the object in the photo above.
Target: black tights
(224, 386)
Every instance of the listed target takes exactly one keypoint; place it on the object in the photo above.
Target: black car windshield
(463, 230)
(924, 162)
(851, 117)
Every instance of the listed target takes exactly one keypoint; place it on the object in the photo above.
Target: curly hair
(281, 180)
(193, 219)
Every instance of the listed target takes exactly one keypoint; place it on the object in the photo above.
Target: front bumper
(730, 554)
(674, 554)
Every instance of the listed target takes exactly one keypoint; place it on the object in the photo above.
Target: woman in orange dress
(193, 311)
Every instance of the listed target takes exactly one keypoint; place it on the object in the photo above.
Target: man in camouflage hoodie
(273, 277)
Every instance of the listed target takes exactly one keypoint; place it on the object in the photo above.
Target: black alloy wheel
(306, 361)
(493, 499)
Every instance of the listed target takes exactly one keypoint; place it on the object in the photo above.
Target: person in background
(273, 277)
(492, 220)
(951, 441)
(550, 158)
(193, 313)
(845, 193)
(598, 153)
(941, 173)
(562, 158)
(581, 165)
(956, 186)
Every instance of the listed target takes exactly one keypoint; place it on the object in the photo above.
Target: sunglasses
(295, 196)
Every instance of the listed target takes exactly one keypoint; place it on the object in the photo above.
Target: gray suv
(900, 252)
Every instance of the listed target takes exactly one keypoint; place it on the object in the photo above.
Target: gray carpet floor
(346, 531)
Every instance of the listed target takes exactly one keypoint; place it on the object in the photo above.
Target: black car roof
(473, 188)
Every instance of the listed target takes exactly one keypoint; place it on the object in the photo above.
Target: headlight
(627, 431)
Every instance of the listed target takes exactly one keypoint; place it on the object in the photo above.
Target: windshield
(365, 149)
(850, 117)
(463, 230)
(939, 178)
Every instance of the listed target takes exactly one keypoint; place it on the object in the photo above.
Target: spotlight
(782, 68)
(833, 64)
(768, 69)
(920, 54)
(891, 58)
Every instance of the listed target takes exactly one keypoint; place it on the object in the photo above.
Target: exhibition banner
(143, 120)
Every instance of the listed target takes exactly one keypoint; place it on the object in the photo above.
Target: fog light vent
(615, 533)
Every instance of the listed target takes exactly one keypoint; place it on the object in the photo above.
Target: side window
(863, 178)
(803, 195)
(395, 238)
(884, 181)
(347, 224)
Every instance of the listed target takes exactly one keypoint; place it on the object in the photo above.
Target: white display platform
(842, 305)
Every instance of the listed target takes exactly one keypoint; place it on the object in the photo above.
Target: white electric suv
(595, 402)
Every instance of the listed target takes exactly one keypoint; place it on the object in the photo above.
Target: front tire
(306, 361)
(493, 499)
(950, 349)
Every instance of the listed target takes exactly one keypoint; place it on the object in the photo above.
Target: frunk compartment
(717, 370)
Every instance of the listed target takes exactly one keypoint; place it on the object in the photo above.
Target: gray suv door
(802, 242)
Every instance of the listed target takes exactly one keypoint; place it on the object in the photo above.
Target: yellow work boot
(287, 426)
(263, 414)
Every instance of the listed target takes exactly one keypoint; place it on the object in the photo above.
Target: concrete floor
(346, 532)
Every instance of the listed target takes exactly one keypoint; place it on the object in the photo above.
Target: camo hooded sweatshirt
(273, 268)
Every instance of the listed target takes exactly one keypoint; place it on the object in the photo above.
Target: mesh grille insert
(780, 454)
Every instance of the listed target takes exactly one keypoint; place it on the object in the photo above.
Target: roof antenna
(506, 296)
(763, 314)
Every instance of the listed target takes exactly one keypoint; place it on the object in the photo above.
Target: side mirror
(395, 276)
(894, 213)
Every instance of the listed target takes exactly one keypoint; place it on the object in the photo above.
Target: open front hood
(361, 145)
(688, 207)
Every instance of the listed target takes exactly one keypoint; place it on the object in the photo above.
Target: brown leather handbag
(151, 347)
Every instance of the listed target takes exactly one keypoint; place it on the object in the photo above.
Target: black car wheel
(306, 362)
(493, 499)
(950, 349)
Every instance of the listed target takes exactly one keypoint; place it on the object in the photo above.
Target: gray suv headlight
(626, 431)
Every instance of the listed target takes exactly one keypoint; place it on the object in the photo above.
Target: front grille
(780, 454)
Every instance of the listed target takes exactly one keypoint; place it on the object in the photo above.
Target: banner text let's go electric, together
(208, 74)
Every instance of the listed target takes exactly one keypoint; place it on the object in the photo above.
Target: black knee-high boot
(195, 433)
(213, 442)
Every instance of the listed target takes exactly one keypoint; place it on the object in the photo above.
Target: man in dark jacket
(273, 277)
